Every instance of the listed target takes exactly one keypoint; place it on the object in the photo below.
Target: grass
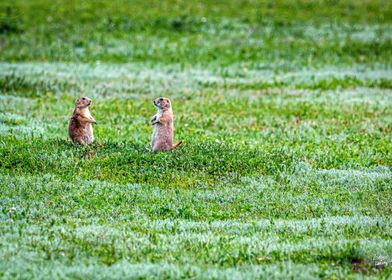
(284, 109)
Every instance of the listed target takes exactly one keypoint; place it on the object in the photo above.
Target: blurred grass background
(259, 34)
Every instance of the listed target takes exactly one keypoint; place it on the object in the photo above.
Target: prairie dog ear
(77, 101)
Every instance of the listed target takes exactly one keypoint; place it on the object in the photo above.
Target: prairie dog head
(162, 103)
(83, 102)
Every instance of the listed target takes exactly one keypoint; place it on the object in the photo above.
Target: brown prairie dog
(80, 126)
(162, 137)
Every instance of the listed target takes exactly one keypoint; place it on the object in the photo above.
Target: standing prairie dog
(80, 128)
(162, 137)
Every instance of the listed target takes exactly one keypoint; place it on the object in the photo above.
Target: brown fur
(162, 137)
(80, 126)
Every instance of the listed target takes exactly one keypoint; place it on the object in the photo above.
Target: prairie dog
(80, 129)
(162, 137)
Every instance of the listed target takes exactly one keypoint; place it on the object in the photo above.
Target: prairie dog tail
(176, 145)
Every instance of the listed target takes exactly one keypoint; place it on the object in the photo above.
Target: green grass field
(285, 111)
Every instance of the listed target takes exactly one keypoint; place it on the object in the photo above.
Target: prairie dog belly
(81, 133)
(162, 137)
(88, 135)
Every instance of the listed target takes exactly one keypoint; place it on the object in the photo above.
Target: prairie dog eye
(160, 99)
(84, 98)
